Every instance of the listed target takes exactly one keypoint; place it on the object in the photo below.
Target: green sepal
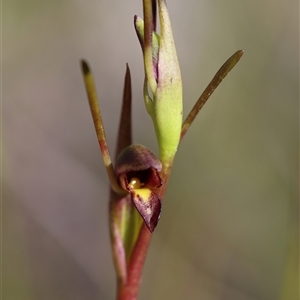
(168, 96)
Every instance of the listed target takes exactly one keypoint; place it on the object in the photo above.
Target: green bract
(164, 80)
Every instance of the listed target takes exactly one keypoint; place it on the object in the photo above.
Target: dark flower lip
(137, 169)
(149, 207)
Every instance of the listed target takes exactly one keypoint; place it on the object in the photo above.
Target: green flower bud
(164, 80)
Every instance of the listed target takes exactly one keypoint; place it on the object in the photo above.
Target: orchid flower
(138, 178)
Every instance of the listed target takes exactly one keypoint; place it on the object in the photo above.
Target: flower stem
(130, 289)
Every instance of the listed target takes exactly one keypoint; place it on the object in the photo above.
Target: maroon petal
(148, 205)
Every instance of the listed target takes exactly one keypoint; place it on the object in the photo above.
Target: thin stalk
(220, 75)
(98, 123)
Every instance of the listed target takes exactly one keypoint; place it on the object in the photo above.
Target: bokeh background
(229, 227)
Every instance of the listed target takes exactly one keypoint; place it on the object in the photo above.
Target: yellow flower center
(135, 183)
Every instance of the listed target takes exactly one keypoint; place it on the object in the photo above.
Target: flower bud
(163, 78)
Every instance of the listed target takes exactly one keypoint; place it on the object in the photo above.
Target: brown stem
(129, 290)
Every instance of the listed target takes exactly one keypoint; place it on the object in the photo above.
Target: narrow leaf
(98, 123)
(220, 75)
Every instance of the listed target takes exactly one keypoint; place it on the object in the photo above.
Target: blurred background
(229, 227)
